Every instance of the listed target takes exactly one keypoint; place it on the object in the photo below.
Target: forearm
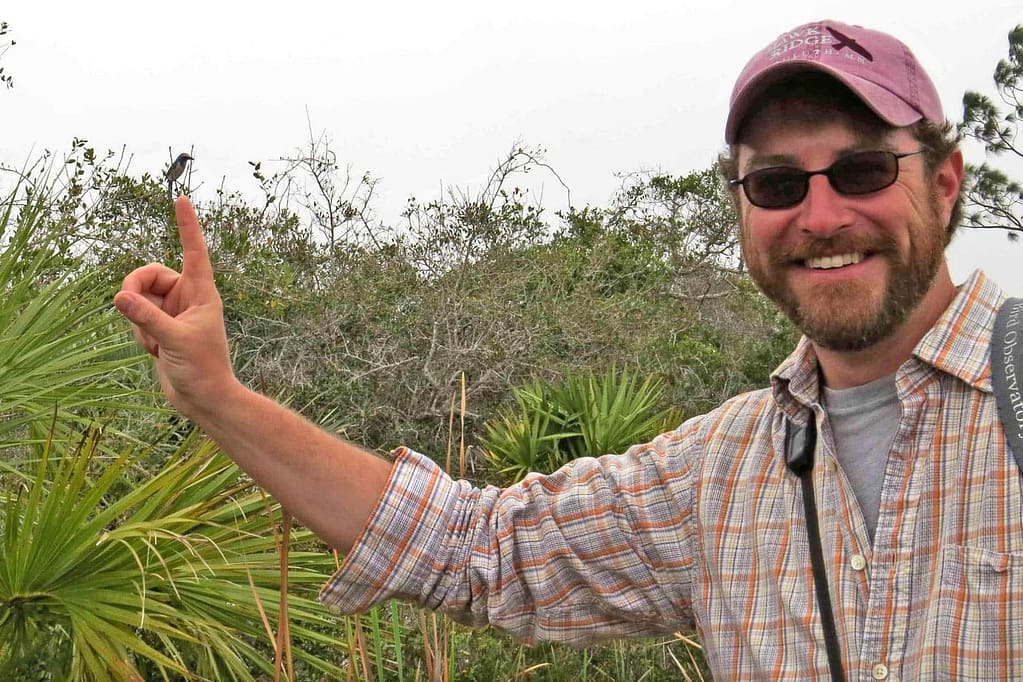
(328, 484)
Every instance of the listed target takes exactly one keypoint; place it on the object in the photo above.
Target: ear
(948, 180)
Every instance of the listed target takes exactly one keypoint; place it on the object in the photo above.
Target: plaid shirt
(704, 527)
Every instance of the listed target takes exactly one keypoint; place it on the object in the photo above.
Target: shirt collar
(958, 344)
(960, 341)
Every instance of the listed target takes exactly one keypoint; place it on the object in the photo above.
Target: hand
(179, 320)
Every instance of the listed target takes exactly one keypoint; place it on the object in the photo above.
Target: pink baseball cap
(877, 67)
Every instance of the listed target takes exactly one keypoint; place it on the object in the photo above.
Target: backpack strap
(1007, 373)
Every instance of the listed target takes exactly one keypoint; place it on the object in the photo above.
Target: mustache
(817, 247)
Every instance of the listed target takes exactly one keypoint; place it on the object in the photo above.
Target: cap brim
(889, 107)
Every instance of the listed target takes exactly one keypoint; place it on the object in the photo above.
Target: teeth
(828, 262)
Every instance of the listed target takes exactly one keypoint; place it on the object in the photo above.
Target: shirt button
(858, 563)
(880, 671)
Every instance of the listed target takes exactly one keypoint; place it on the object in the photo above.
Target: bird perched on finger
(175, 171)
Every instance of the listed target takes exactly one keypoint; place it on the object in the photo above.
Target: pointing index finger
(196, 259)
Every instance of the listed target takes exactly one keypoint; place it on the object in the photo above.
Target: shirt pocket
(974, 628)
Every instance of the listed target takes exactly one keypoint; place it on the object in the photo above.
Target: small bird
(175, 171)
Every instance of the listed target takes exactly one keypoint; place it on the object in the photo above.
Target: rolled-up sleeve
(602, 548)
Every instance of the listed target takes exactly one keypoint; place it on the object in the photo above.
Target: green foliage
(590, 415)
(63, 350)
(93, 212)
(5, 79)
(994, 200)
(615, 410)
(365, 328)
(529, 437)
(107, 571)
(96, 586)
(601, 288)
(410, 649)
(380, 326)
(449, 236)
(689, 217)
(483, 657)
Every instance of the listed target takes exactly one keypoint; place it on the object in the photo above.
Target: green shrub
(588, 416)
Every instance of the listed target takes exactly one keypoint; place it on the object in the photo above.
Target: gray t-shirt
(864, 420)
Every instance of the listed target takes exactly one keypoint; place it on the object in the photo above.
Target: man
(847, 185)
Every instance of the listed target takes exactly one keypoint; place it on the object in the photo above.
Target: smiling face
(847, 270)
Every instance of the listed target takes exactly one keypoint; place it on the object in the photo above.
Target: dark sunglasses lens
(864, 172)
(776, 187)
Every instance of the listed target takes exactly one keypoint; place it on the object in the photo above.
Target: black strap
(800, 443)
(1006, 368)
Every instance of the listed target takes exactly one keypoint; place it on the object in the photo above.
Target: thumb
(144, 314)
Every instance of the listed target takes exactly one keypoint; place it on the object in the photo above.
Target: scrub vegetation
(133, 549)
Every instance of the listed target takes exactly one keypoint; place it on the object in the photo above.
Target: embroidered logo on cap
(842, 41)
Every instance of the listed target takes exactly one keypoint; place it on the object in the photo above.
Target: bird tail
(170, 191)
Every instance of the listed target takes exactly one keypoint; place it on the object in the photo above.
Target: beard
(854, 315)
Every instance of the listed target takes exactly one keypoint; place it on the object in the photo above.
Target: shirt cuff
(390, 559)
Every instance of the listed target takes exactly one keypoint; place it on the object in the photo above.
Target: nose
(824, 211)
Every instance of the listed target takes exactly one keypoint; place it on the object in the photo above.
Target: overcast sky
(431, 95)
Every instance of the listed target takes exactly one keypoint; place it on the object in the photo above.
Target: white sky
(431, 95)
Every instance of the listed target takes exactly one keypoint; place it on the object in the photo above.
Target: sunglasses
(858, 173)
